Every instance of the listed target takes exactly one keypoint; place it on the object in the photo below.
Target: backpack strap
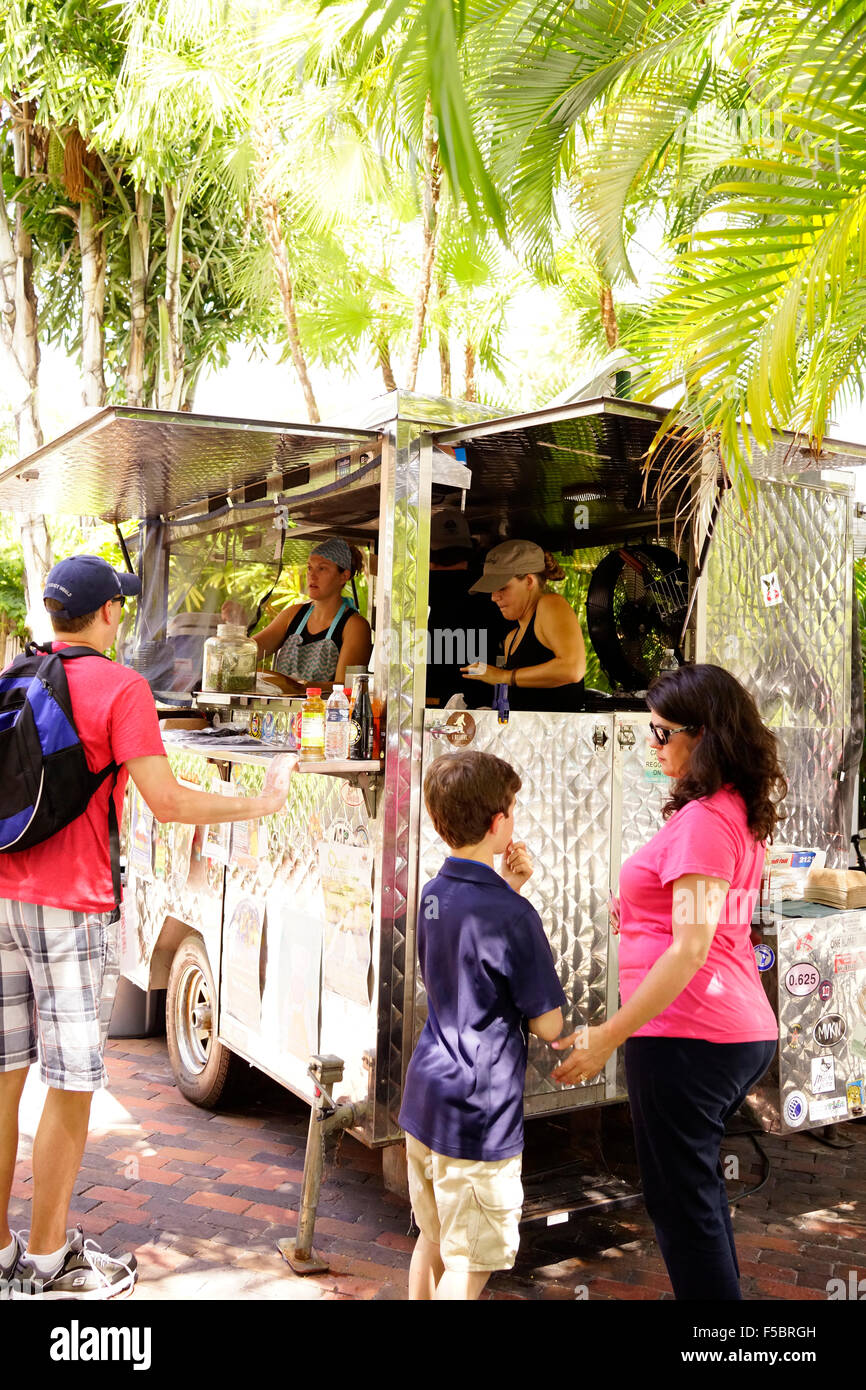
(114, 839)
(111, 769)
(70, 653)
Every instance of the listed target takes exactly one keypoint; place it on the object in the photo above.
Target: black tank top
(307, 636)
(531, 652)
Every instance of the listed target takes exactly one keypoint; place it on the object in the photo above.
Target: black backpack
(45, 782)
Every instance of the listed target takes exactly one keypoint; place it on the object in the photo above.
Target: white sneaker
(86, 1272)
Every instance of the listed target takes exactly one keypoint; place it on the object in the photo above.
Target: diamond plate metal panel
(795, 656)
(564, 815)
(638, 798)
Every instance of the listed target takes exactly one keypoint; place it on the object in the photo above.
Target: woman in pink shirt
(698, 1029)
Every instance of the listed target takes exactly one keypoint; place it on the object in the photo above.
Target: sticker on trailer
(825, 990)
(854, 1096)
(834, 1108)
(795, 1036)
(771, 591)
(765, 956)
(829, 1030)
(823, 1076)
(652, 768)
(802, 979)
(795, 1109)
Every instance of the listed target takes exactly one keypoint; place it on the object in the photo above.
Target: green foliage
(12, 607)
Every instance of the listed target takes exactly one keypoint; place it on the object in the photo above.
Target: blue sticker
(795, 1109)
(765, 956)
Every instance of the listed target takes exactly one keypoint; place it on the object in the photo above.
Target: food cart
(295, 939)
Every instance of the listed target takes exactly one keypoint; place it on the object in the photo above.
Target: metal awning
(126, 463)
(532, 471)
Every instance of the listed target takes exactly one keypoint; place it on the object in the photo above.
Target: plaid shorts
(58, 978)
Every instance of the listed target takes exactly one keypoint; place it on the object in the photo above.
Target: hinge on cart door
(625, 736)
(599, 735)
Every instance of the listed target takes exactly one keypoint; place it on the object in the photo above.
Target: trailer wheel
(204, 1069)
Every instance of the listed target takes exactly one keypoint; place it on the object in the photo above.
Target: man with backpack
(73, 727)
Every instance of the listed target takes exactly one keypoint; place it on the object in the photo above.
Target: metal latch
(626, 736)
(599, 735)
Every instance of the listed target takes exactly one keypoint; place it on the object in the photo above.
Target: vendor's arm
(697, 907)
(170, 801)
(356, 648)
(274, 635)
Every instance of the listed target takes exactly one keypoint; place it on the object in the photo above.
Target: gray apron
(312, 662)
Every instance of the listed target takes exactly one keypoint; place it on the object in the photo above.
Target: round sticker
(829, 1030)
(795, 1109)
(765, 956)
(825, 989)
(802, 978)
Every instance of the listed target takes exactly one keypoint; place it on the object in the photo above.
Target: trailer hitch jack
(328, 1120)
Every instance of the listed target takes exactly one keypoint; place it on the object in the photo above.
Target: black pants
(682, 1093)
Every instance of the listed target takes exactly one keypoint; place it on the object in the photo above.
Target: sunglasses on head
(664, 736)
(119, 598)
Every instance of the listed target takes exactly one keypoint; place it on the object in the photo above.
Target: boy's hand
(613, 913)
(516, 865)
(276, 787)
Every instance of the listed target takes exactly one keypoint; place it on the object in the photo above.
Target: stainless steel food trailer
(297, 939)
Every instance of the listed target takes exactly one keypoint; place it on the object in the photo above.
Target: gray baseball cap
(505, 561)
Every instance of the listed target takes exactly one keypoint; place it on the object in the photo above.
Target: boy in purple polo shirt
(489, 974)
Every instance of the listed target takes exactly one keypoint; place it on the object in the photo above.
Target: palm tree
(741, 124)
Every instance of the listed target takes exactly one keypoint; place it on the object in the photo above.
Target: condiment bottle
(361, 723)
(313, 726)
(378, 707)
(337, 726)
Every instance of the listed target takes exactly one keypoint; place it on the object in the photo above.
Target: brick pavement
(203, 1197)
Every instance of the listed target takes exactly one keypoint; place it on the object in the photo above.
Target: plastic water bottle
(337, 726)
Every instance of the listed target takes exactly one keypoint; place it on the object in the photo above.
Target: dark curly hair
(737, 749)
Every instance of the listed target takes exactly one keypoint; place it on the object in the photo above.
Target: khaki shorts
(470, 1209)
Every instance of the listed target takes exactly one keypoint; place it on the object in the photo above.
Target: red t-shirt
(116, 720)
(725, 1001)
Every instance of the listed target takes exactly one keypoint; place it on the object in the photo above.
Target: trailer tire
(204, 1069)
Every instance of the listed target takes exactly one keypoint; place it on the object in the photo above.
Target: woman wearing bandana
(315, 642)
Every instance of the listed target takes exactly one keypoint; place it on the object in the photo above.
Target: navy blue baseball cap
(84, 583)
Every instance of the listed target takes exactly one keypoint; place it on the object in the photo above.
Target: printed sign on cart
(802, 978)
(795, 1109)
(141, 837)
(652, 768)
(771, 590)
(833, 1108)
(823, 1075)
(346, 875)
(830, 1030)
(242, 959)
(854, 1097)
(765, 956)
